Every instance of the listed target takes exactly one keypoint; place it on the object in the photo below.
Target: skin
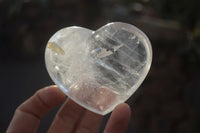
(71, 118)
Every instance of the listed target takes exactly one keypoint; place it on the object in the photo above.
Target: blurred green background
(167, 101)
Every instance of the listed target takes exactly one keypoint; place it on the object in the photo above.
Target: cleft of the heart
(99, 69)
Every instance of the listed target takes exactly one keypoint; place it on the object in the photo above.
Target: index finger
(119, 119)
(27, 116)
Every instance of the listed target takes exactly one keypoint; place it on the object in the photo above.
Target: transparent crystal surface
(99, 69)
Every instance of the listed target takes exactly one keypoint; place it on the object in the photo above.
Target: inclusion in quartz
(99, 69)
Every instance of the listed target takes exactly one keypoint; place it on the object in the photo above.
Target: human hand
(70, 118)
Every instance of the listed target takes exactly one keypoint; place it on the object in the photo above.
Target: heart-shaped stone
(99, 69)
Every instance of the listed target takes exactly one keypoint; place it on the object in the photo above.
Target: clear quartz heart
(99, 69)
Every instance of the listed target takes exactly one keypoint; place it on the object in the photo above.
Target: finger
(90, 123)
(67, 118)
(119, 119)
(27, 116)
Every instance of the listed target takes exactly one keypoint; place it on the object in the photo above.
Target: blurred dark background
(167, 101)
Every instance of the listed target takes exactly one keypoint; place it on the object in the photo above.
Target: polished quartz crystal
(99, 69)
